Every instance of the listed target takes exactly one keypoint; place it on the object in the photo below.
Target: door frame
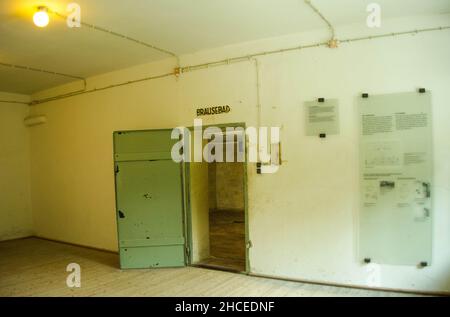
(183, 198)
(187, 193)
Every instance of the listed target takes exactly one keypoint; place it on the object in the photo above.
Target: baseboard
(381, 289)
(17, 238)
(73, 244)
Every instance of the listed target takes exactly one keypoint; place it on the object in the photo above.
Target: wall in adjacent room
(230, 186)
(15, 201)
(303, 220)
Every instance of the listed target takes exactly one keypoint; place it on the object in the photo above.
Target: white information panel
(396, 170)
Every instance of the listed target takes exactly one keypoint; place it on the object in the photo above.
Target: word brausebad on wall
(396, 178)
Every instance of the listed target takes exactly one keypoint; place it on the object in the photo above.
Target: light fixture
(41, 18)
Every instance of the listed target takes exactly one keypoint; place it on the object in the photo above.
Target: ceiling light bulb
(41, 18)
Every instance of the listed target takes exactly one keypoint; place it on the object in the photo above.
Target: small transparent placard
(322, 117)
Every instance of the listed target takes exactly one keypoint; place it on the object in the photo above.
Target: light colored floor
(34, 267)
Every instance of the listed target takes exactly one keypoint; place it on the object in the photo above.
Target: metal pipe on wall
(245, 58)
(104, 30)
(320, 14)
(40, 70)
(258, 93)
(16, 102)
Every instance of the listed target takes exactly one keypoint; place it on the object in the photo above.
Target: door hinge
(116, 169)
(249, 244)
(188, 251)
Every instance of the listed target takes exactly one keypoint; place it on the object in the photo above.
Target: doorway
(217, 193)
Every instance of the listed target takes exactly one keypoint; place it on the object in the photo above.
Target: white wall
(15, 200)
(304, 219)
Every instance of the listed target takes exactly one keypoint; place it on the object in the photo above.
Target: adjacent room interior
(224, 148)
(226, 208)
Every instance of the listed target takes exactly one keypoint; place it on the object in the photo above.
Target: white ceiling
(181, 26)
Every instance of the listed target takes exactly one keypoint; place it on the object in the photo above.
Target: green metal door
(149, 202)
